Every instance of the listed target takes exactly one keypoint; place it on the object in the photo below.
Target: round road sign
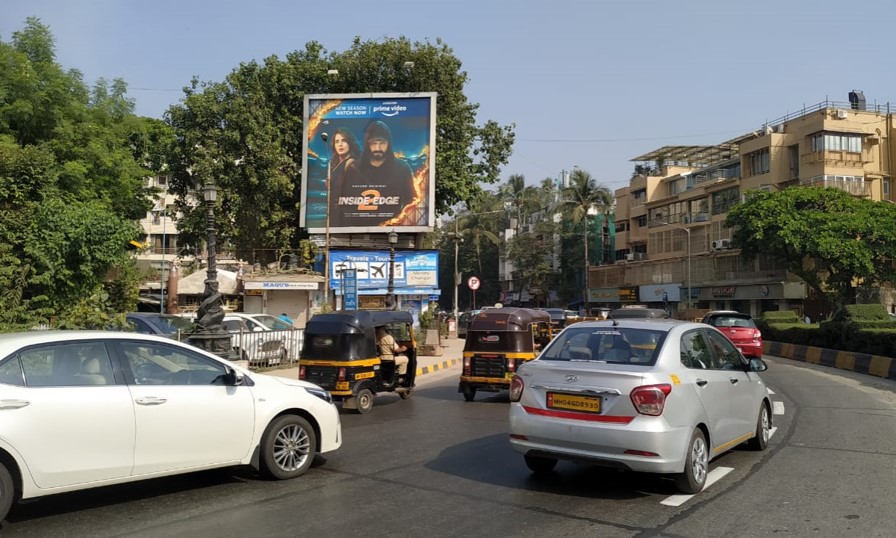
(473, 283)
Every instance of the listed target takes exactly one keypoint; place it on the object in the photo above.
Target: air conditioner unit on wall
(715, 245)
(629, 257)
(842, 114)
(725, 243)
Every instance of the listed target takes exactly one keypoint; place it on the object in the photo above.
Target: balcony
(837, 158)
(853, 187)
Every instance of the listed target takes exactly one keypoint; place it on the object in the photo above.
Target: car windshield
(270, 322)
(618, 345)
(732, 321)
(171, 324)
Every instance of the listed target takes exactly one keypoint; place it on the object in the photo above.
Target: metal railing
(883, 108)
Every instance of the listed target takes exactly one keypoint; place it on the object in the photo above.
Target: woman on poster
(345, 150)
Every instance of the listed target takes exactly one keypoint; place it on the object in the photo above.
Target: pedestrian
(285, 318)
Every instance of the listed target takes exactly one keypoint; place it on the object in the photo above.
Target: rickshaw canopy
(348, 334)
(508, 330)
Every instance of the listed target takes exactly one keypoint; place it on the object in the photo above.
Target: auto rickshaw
(340, 354)
(498, 341)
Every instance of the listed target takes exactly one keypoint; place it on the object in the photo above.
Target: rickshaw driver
(389, 350)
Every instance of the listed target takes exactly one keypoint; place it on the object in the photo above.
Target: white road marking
(777, 408)
(772, 431)
(770, 391)
(714, 476)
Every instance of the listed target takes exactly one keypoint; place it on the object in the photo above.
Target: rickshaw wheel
(364, 399)
(469, 392)
(404, 394)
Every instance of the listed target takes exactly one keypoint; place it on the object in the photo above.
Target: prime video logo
(389, 109)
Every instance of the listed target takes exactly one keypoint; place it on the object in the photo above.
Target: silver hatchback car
(657, 396)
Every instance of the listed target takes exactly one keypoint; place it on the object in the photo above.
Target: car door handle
(701, 382)
(151, 401)
(733, 380)
(14, 404)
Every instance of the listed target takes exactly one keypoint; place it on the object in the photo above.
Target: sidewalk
(452, 355)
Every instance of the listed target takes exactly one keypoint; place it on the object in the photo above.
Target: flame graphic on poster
(315, 120)
(410, 215)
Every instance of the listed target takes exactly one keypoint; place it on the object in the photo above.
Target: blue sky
(590, 83)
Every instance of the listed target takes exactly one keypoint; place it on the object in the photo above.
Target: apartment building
(671, 239)
(160, 241)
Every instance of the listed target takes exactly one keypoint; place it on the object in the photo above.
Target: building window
(723, 200)
(850, 143)
(758, 162)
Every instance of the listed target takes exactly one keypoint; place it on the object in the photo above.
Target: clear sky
(588, 83)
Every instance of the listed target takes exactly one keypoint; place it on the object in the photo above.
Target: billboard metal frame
(411, 120)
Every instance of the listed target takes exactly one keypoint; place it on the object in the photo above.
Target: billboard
(416, 271)
(369, 163)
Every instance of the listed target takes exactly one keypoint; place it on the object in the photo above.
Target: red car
(739, 328)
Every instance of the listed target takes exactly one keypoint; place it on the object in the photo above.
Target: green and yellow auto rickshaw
(340, 354)
(498, 341)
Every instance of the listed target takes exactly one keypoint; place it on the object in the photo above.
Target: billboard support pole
(324, 136)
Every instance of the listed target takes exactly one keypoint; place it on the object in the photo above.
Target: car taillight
(757, 335)
(651, 399)
(301, 372)
(516, 388)
(341, 374)
(466, 365)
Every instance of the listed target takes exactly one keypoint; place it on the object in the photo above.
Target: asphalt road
(436, 466)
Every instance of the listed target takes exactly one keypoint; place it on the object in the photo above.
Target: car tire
(696, 465)
(288, 447)
(539, 464)
(469, 392)
(7, 491)
(763, 429)
(364, 401)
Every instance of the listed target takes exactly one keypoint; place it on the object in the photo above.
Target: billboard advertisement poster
(416, 271)
(369, 163)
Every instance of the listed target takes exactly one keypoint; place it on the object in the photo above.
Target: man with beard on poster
(378, 174)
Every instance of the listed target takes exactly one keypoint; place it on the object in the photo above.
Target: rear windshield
(617, 345)
(172, 324)
(732, 321)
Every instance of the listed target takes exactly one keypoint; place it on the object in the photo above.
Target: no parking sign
(473, 283)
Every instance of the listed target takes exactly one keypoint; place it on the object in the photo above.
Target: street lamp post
(391, 303)
(210, 334)
(688, 231)
(457, 241)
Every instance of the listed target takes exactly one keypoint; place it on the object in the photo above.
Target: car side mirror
(758, 365)
(233, 378)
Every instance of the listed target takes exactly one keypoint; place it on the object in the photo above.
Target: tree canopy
(71, 180)
(245, 134)
(832, 240)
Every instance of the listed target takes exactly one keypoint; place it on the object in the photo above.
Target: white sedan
(659, 396)
(122, 407)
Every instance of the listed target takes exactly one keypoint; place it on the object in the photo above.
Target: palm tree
(480, 222)
(581, 199)
(514, 194)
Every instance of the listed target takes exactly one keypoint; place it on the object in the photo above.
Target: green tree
(245, 134)
(581, 200)
(828, 238)
(71, 182)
